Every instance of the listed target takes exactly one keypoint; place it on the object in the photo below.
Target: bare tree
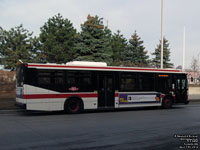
(194, 64)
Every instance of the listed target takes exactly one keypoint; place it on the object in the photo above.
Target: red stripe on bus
(106, 68)
(40, 96)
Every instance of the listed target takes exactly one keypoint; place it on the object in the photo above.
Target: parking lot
(146, 128)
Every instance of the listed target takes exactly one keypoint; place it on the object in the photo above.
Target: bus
(77, 86)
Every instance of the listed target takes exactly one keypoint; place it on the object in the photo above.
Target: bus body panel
(57, 104)
(139, 105)
(139, 99)
(47, 87)
(20, 101)
(43, 99)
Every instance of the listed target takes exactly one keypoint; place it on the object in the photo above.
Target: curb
(10, 111)
(194, 100)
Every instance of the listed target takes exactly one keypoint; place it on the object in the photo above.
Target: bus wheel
(167, 103)
(73, 106)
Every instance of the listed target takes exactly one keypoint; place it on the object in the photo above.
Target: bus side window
(82, 80)
(71, 78)
(59, 77)
(31, 76)
(85, 81)
(44, 77)
(128, 82)
(167, 85)
(146, 82)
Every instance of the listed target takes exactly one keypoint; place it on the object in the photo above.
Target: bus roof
(99, 68)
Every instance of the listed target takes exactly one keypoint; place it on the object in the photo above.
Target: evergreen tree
(166, 55)
(94, 41)
(17, 43)
(57, 40)
(108, 45)
(2, 37)
(135, 54)
(119, 44)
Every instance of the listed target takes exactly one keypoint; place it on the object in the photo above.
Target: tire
(187, 102)
(73, 106)
(167, 103)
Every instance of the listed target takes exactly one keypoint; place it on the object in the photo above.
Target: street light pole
(162, 33)
(183, 59)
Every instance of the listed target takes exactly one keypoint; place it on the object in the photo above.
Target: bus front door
(105, 91)
(181, 90)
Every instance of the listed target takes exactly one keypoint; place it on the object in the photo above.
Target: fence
(7, 84)
(194, 81)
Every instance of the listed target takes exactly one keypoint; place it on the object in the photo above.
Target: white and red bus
(78, 86)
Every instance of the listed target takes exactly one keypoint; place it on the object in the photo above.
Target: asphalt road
(150, 128)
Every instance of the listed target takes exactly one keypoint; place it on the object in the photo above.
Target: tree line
(59, 42)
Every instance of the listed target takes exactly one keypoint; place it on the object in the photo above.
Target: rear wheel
(167, 103)
(73, 106)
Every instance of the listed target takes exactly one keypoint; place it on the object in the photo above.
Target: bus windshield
(20, 75)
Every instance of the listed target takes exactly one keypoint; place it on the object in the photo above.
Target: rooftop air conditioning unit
(87, 63)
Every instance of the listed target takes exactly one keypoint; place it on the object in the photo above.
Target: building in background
(193, 77)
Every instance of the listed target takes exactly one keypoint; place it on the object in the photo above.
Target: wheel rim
(74, 107)
(167, 102)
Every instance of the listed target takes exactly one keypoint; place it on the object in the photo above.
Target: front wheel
(167, 103)
(73, 106)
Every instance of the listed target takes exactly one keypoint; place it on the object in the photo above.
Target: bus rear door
(106, 90)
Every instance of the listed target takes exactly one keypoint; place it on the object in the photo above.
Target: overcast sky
(144, 16)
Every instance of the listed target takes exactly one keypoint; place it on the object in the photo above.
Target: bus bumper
(20, 105)
(187, 102)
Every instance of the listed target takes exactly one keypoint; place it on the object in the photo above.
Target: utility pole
(162, 33)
